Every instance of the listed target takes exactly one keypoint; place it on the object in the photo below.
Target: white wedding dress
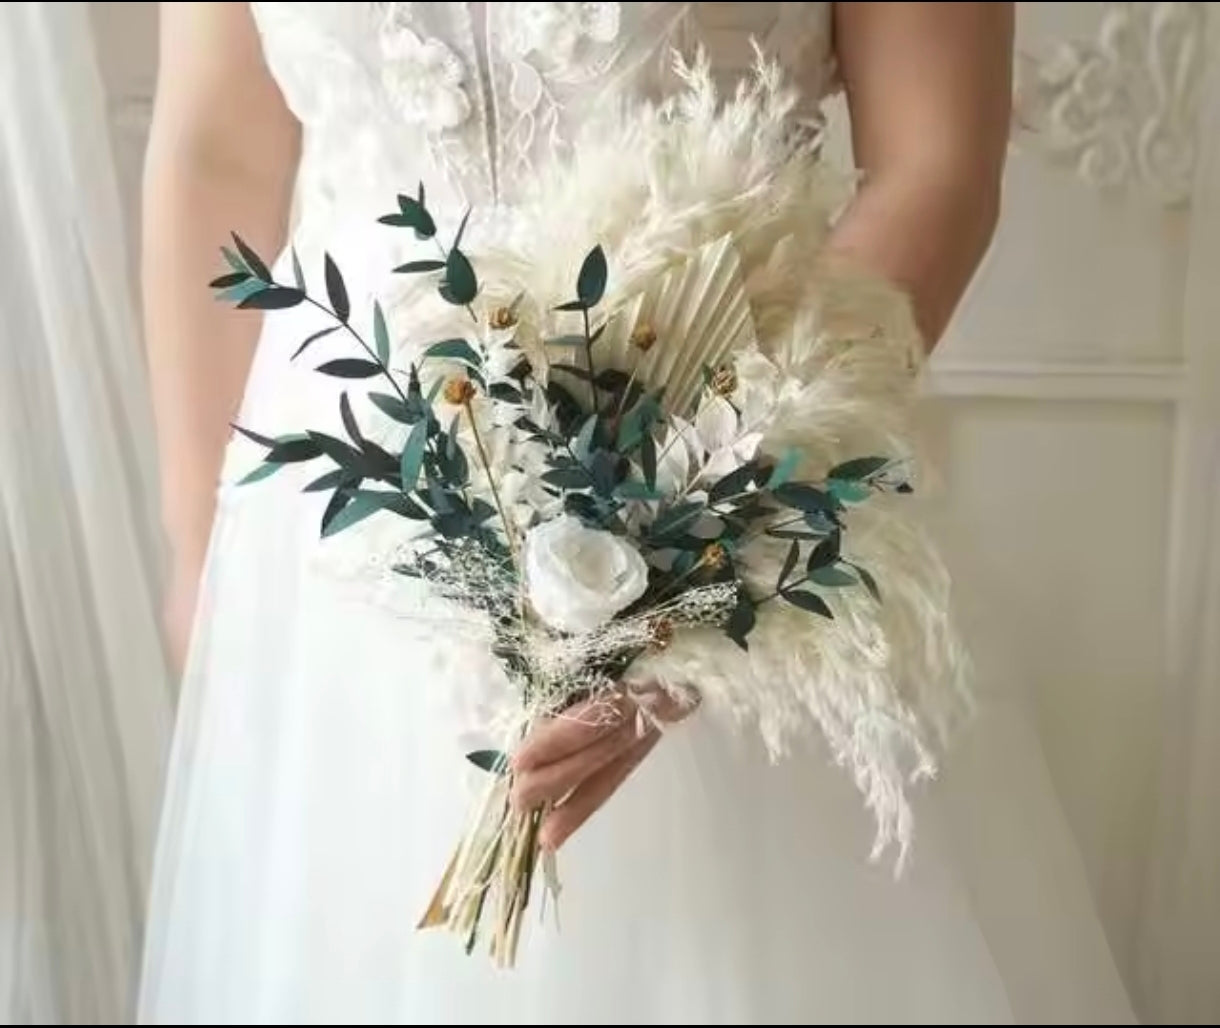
(318, 782)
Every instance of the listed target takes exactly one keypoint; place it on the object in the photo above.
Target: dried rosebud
(714, 557)
(459, 391)
(644, 338)
(661, 633)
(503, 317)
(724, 381)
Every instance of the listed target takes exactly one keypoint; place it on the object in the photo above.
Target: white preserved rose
(577, 578)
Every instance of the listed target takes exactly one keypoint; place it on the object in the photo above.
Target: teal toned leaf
(393, 407)
(734, 483)
(460, 285)
(298, 275)
(784, 468)
(566, 341)
(676, 518)
(632, 490)
(857, 469)
(414, 214)
(256, 437)
(259, 473)
(361, 505)
(381, 335)
(811, 602)
(567, 478)
(252, 260)
(313, 339)
(276, 298)
(350, 367)
(336, 290)
(415, 267)
(824, 554)
(612, 380)
(325, 483)
(870, 583)
(492, 761)
(457, 240)
(648, 459)
(573, 305)
(347, 457)
(454, 350)
(349, 420)
(413, 455)
(241, 291)
(847, 492)
(341, 498)
(583, 445)
(804, 497)
(234, 262)
(831, 577)
(794, 553)
(233, 278)
(293, 451)
(591, 283)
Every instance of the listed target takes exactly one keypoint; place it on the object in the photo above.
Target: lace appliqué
(423, 77)
(551, 48)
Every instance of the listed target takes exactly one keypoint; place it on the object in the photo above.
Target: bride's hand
(576, 761)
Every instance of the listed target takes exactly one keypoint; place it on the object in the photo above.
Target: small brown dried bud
(724, 381)
(714, 557)
(662, 632)
(644, 338)
(503, 317)
(459, 391)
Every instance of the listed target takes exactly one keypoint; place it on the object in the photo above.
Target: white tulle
(319, 782)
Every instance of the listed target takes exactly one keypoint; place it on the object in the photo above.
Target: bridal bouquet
(647, 437)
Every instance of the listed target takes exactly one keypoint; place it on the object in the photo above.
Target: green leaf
(381, 335)
(264, 470)
(393, 407)
(676, 518)
(870, 583)
(784, 467)
(741, 622)
(460, 285)
(824, 554)
(607, 472)
(631, 490)
(325, 483)
(413, 455)
(413, 214)
(416, 267)
(349, 420)
(454, 350)
(794, 553)
(256, 437)
(350, 367)
(792, 533)
(591, 283)
(734, 483)
(336, 290)
(648, 459)
(847, 492)
(567, 478)
(252, 260)
(492, 761)
(574, 305)
(361, 505)
(293, 451)
(457, 240)
(241, 291)
(505, 393)
(340, 499)
(803, 497)
(347, 457)
(811, 602)
(565, 341)
(298, 275)
(234, 262)
(612, 380)
(233, 278)
(276, 298)
(857, 469)
(831, 578)
(583, 445)
(313, 339)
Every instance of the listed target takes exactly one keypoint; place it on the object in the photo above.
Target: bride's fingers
(593, 792)
(571, 731)
(550, 782)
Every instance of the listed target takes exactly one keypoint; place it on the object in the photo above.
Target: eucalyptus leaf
(252, 260)
(505, 393)
(574, 305)
(233, 278)
(233, 261)
(336, 290)
(413, 455)
(571, 340)
(264, 470)
(648, 459)
(460, 285)
(847, 492)
(339, 499)
(454, 350)
(256, 437)
(582, 446)
(607, 472)
(381, 334)
(457, 240)
(412, 214)
(857, 469)
(567, 478)
(274, 298)
(632, 490)
(393, 407)
(612, 380)
(677, 518)
(832, 578)
(809, 601)
(350, 367)
(734, 483)
(241, 291)
(591, 283)
(293, 451)
(803, 497)
(784, 468)
(325, 483)
(492, 761)
(320, 334)
(361, 505)
(870, 583)
(794, 554)
(825, 554)
(349, 420)
(416, 267)
(348, 458)
(298, 273)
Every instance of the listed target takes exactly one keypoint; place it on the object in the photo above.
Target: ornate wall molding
(1121, 109)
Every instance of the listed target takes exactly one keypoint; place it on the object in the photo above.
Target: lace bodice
(470, 96)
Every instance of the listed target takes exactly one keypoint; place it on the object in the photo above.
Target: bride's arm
(929, 89)
(222, 155)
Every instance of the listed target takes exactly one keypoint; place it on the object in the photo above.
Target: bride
(311, 801)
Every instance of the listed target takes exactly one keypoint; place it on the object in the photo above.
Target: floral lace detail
(552, 33)
(424, 77)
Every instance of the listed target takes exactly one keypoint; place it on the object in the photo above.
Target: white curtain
(85, 701)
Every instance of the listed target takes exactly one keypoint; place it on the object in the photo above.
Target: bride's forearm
(925, 233)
